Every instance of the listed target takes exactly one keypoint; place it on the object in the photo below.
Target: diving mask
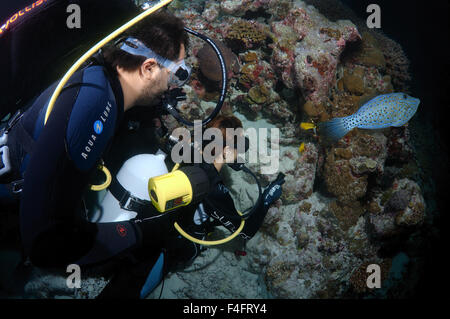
(179, 71)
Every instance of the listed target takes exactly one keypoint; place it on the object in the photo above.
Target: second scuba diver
(173, 251)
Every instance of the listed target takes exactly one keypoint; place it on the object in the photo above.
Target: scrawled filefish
(394, 109)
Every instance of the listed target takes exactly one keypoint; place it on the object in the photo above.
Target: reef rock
(233, 7)
(300, 178)
(211, 11)
(402, 209)
(310, 48)
(303, 253)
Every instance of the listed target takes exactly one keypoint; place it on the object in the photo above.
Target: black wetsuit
(65, 153)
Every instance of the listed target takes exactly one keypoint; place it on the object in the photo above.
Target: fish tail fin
(334, 129)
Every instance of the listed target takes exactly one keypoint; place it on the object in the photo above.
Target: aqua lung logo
(98, 128)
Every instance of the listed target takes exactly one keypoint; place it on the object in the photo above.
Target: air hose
(236, 167)
(223, 89)
(210, 242)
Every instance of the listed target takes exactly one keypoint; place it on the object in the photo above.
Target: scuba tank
(132, 177)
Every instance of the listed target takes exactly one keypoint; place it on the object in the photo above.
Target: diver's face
(229, 154)
(155, 79)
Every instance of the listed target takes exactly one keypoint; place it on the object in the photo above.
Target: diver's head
(149, 59)
(231, 131)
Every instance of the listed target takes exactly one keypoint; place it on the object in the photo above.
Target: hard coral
(347, 215)
(259, 94)
(341, 182)
(244, 35)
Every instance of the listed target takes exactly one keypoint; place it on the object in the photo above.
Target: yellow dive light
(181, 187)
(178, 188)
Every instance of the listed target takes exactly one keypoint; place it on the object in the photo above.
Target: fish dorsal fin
(366, 98)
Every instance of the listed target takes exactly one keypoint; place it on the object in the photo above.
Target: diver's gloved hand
(135, 279)
(273, 191)
(171, 98)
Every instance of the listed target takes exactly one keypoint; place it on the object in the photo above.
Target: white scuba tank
(133, 176)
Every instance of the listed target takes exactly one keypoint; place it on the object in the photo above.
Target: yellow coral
(250, 57)
(247, 32)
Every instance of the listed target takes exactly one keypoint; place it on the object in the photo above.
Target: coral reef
(397, 63)
(311, 245)
(300, 180)
(347, 167)
(244, 35)
(211, 11)
(307, 49)
(401, 210)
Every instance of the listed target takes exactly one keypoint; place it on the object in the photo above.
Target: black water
(422, 29)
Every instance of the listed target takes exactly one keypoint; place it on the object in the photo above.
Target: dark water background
(422, 29)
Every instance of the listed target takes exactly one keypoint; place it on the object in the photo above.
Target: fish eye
(405, 96)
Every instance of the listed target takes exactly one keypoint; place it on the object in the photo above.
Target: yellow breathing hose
(97, 188)
(207, 242)
(97, 47)
(210, 242)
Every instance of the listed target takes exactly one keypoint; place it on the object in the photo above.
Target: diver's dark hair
(162, 32)
(222, 122)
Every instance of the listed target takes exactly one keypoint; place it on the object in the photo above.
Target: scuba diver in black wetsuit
(56, 161)
(50, 166)
(217, 209)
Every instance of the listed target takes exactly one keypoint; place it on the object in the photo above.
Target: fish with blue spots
(394, 109)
